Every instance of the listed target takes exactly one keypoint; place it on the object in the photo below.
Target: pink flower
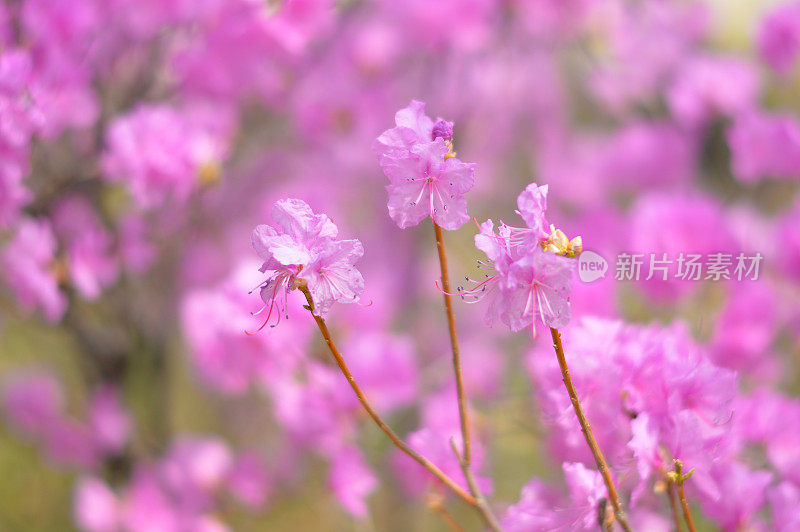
(576, 508)
(531, 205)
(789, 238)
(541, 283)
(299, 233)
(778, 38)
(248, 480)
(147, 506)
(91, 264)
(434, 444)
(213, 320)
(681, 225)
(534, 510)
(710, 86)
(110, 423)
(27, 265)
(745, 492)
(425, 179)
(413, 127)
(745, 330)
(314, 408)
(442, 128)
(5, 26)
(646, 153)
(586, 492)
(95, 506)
(352, 481)
(17, 122)
(331, 276)
(460, 25)
(513, 242)
(647, 390)
(426, 183)
(386, 368)
(33, 402)
(137, 251)
(196, 465)
(771, 419)
(784, 500)
(164, 153)
(299, 22)
(302, 246)
(529, 284)
(765, 145)
(70, 442)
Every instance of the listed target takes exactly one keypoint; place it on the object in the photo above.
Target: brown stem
(449, 520)
(687, 516)
(673, 503)
(587, 432)
(483, 506)
(424, 462)
(451, 325)
(605, 518)
(436, 504)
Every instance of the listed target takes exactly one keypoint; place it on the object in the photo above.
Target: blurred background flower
(142, 141)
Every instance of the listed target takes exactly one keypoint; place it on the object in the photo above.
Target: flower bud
(442, 128)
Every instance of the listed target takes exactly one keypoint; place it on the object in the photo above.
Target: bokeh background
(142, 141)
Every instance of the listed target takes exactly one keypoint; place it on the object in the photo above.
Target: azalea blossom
(29, 268)
(425, 177)
(531, 270)
(331, 276)
(163, 153)
(778, 39)
(428, 183)
(141, 141)
(413, 127)
(301, 245)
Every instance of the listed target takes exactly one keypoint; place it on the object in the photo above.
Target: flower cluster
(34, 406)
(183, 149)
(177, 493)
(301, 246)
(532, 269)
(426, 179)
(140, 139)
(17, 124)
(654, 396)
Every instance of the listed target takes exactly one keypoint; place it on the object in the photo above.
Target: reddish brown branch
(451, 326)
(679, 479)
(483, 507)
(673, 503)
(436, 504)
(602, 466)
(424, 462)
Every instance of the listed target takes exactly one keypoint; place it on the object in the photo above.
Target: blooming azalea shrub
(615, 182)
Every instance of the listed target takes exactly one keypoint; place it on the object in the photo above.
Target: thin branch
(436, 504)
(424, 462)
(483, 507)
(605, 518)
(673, 503)
(602, 466)
(451, 326)
(679, 479)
